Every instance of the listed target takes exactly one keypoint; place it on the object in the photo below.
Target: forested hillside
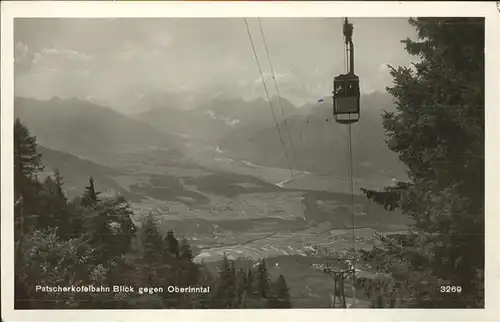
(91, 241)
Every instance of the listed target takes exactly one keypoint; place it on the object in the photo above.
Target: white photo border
(118, 9)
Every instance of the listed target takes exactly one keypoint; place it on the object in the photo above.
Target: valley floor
(246, 211)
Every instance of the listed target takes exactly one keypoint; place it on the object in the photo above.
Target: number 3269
(450, 289)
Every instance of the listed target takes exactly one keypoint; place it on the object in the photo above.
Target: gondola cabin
(346, 98)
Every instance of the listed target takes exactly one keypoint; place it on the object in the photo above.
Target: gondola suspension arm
(348, 29)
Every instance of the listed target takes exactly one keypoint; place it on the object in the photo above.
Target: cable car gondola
(346, 94)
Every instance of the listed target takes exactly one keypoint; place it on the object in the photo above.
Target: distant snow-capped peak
(229, 121)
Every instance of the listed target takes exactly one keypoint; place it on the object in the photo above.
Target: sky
(119, 61)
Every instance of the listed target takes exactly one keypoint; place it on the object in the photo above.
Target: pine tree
(27, 165)
(262, 279)
(154, 263)
(225, 285)
(250, 296)
(189, 271)
(90, 196)
(77, 213)
(27, 161)
(59, 186)
(111, 229)
(280, 295)
(250, 281)
(438, 132)
(241, 284)
(123, 229)
(152, 242)
(54, 209)
(186, 273)
(185, 250)
(173, 244)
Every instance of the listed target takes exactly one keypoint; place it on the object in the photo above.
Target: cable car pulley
(346, 94)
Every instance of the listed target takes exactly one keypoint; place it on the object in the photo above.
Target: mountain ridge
(86, 129)
(217, 118)
(318, 143)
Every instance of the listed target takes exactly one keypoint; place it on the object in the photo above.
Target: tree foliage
(90, 196)
(249, 288)
(438, 132)
(27, 165)
(92, 240)
(280, 297)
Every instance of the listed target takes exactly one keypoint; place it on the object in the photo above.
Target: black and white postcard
(249, 161)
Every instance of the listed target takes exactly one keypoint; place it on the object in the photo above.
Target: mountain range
(315, 142)
(242, 130)
(247, 130)
(217, 118)
(85, 129)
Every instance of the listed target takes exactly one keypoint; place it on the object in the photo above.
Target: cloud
(55, 55)
(20, 52)
(146, 47)
(107, 59)
(64, 68)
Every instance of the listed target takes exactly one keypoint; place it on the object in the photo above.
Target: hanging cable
(279, 96)
(351, 192)
(269, 98)
(347, 62)
(302, 206)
